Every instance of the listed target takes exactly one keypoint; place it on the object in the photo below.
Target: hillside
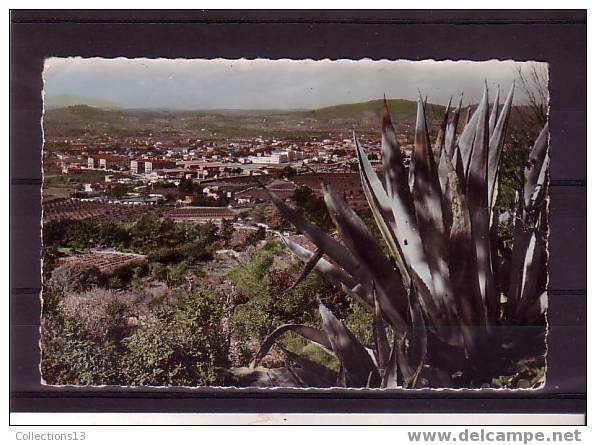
(52, 101)
(215, 124)
(399, 108)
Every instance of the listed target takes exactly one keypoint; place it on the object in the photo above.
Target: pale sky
(270, 84)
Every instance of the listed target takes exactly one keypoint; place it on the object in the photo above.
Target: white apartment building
(275, 158)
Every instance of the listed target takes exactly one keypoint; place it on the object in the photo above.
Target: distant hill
(399, 108)
(82, 114)
(83, 119)
(53, 101)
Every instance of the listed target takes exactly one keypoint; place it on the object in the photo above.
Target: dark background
(557, 37)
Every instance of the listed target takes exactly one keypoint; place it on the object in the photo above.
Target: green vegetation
(440, 322)
(399, 108)
(313, 207)
(173, 246)
(120, 190)
(189, 316)
(76, 180)
(116, 308)
(70, 357)
(69, 100)
(51, 300)
(149, 235)
(202, 200)
(266, 299)
(183, 346)
(256, 236)
(226, 231)
(287, 172)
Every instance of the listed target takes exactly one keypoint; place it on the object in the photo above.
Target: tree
(185, 186)
(226, 231)
(256, 236)
(120, 190)
(288, 172)
(533, 115)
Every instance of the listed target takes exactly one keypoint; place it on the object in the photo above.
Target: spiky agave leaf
(382, 349)
(336, 275)
(526, 260)
(521, 241)
(322, 240)
(405, 225)
(534, 165)
(497, 139)
(531, 284)
(396, 180)
(450, 147)
(411, 171)
(537, 309)
(450, 139)
(462, 259)
(477, 195)
(380, 205)
(465, 141)
(540, 190)
(492, 120)
(308, 268)
(411, 353)
(388, 282)
(478, 168)
(314, 374)
(357, 367)
(440, 150)
(467, 115)
(443, 174)
(317, 336)
(439, 144)
(392, 377)
(429, 214)
(426, 181)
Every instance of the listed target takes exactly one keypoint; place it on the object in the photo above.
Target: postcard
(295, 223)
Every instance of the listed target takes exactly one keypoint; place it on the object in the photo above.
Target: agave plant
(454, 304)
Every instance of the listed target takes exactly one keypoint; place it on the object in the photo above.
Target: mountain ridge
(57, 101)
(399, 108)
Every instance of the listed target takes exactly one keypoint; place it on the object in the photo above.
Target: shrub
(98, 311)
(256, 236)
(268, 300)
(359, 320)
(165, 255)
(226, 231)
(126, 272)
(157, 270)
(76, 278)
(49, 256)
(157, 300)
(177, 273)
(51, 300)
(115, 282)
(195, 251)
(69, 357)
(183, 346)
(116, 308)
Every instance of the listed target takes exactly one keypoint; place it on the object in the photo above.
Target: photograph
(295, 223)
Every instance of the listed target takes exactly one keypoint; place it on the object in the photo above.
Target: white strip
(293, 419)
